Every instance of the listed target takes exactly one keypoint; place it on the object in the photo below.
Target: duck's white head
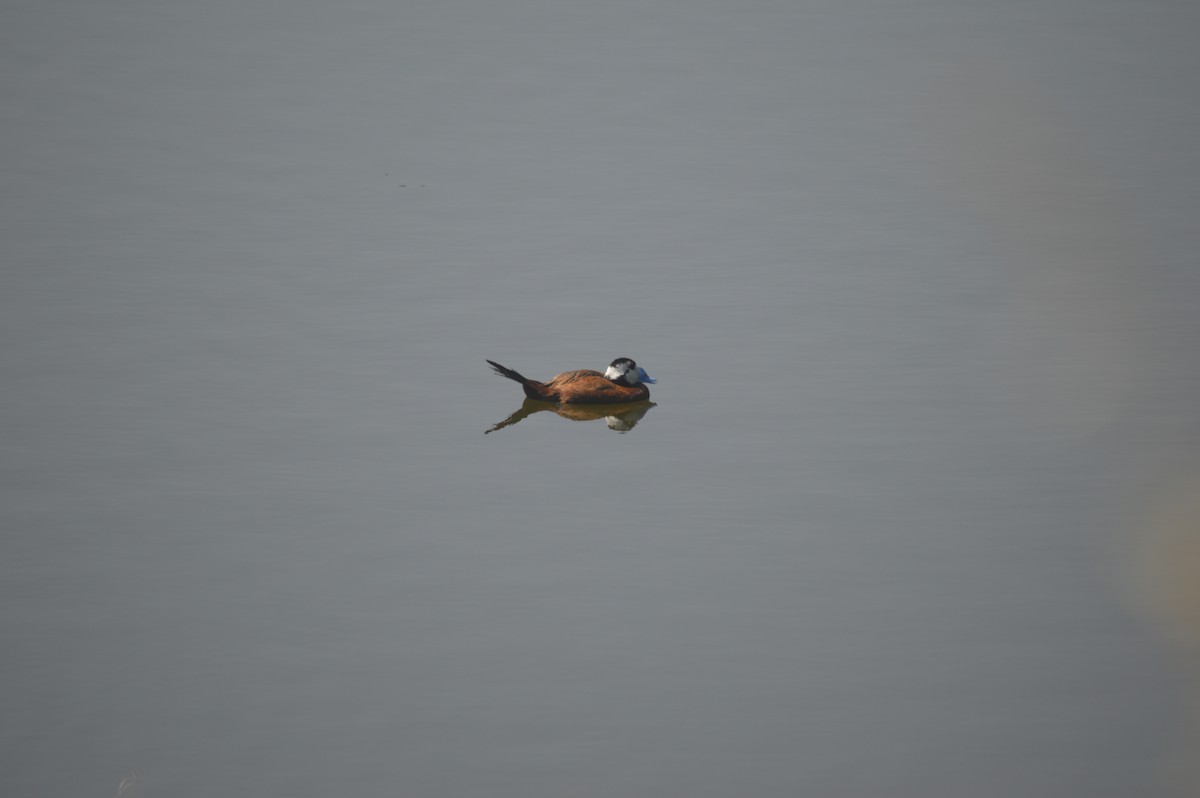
(624, 371)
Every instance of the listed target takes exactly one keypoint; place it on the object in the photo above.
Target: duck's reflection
(620, 418)
(1166, 572)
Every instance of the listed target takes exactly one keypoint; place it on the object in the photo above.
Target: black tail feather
(504, 371)
(533, 389)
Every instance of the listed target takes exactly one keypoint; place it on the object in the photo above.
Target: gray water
(917, 509)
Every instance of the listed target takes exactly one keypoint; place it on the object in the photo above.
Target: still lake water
(915, 513)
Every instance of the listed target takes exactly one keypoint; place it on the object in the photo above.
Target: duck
(624, 381)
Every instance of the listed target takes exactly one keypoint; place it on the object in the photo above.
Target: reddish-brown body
(577, 387)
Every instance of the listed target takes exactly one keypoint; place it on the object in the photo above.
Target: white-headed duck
(624, 381)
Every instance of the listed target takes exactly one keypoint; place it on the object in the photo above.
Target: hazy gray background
(916, 513)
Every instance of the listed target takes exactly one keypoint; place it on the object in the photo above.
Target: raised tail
(505, 371)
(532, 389)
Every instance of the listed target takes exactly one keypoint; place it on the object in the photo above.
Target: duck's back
(568, 377)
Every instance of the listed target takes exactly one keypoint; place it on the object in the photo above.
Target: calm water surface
(915, 512)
